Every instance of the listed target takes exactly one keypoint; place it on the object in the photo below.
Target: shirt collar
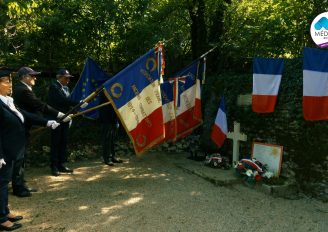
(60, 83)
(6, 99)
(29, 87)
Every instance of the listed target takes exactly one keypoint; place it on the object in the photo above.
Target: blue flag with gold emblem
(92, 77)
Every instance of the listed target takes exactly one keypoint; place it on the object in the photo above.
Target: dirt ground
(150, 193)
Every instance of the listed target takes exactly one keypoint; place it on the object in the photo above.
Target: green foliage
(268, 28)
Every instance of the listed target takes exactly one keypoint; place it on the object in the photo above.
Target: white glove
(117, 125)
(85, 104)
(52, 124)
(2, 162)
(68, 118)
(60, 115)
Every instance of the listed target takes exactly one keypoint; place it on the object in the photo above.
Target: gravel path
(150, 193)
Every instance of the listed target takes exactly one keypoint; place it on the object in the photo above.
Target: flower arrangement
(252, 170)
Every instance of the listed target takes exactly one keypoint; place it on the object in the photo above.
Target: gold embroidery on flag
(141, 140)
(114, 87)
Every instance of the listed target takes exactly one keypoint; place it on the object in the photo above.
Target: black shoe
(11, 228)
(65, 169)
(54, 171)
(15, 219)
(115, 160)
(22, 193)
(109, 163)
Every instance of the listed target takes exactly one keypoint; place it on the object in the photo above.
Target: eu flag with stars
(92, 77)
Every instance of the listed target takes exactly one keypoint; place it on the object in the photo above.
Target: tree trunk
(198, 27)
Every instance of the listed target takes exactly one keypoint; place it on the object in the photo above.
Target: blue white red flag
(135, 94)
(167, 92)
(92, 77)
(220, 127)
(189, 112)
(267, 74)
(315, 82)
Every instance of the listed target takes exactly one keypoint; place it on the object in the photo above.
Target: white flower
(249, 172)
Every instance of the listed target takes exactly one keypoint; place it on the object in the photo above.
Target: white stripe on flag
(168, 112)
(266, 84)
(132, 113)
(315, 83)
(187, 100)
(221, 121)
(198, 89)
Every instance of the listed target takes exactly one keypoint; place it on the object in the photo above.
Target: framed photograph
(269, 154)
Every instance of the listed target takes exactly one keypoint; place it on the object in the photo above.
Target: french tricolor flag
(220, 127)
(136, 97)
(189, 111)
(167, 93)
(267, 74)
(315, 84)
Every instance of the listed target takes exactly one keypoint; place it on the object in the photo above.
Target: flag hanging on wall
(315, 84)
(220, 127)
(135, 94)
(92, 77)
(267, 74)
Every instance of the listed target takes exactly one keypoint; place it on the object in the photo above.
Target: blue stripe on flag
(167, 92)
(135, 77)
(268, 65)
(190, 70)
(315, 59)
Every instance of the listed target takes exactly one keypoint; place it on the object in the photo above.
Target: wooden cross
(236, 136)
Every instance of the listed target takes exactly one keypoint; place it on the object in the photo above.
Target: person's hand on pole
(68, 118)
(60, 115)
(85, 104)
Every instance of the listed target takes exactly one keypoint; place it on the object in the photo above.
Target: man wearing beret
(26, 99)
(59, 98)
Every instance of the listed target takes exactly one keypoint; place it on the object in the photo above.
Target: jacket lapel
(12, 112)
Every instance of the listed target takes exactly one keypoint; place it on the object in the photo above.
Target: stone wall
(305, 142)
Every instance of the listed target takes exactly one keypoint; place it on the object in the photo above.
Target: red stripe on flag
(263, 103)
(315, 108)
(170, 130)
(186, 122)
(148, 132)
(217, 135)
(198, 109)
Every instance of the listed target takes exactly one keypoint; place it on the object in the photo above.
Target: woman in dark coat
(12, 145)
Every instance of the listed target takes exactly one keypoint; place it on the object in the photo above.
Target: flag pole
(91, 109)
(209, 51)
(85, 100)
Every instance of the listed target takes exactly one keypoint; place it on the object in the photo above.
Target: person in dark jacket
(12, 145)
(59, 98)
(26, 99)
(110, 125)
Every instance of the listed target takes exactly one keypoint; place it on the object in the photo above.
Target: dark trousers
(5, 176)
(58, 146)
(18, 181)
(18, 170)
(108, 134)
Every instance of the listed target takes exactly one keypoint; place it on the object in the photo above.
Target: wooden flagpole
(91, 109)
(85, 100)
